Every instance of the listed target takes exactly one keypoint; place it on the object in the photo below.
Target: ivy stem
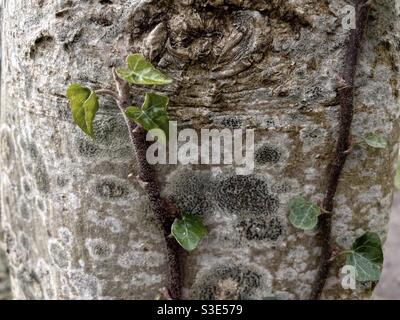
(107, 92)
(346, 95)
(163, 210)
(160, 209)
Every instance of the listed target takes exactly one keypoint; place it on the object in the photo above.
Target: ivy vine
(178, 229)
(366, 253)
(186, 231)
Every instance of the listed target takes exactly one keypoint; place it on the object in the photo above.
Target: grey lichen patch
(111, 139)
(111, 188)
(86, 147)
(266, 122)
(27, 186)
(7, 154)
(42, 271)
(312, 137)
(374, 192)
(232, 122)
(24, 211)
(267, 154)
(41, 204)
(227, 282)
(111, 131)
(283, 187)
(42, 178)
(36, 166)
(112, 224)
(287, 274)
(59, 255)
(29, 284)
(10, 238)
(24, 241)
(65, 236)
(198, 192)
(99, 249)
(30, 149)
(245, 195)
(83, 285)
(248, 197)
(343, 233)
(142, 279)
(313, 94)
(261, 228)
(189, 190)
(141, 256)
(62, 181)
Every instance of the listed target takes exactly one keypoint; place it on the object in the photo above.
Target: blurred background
(388, 287)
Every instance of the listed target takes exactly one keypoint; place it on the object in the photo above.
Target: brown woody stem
(160, 209)
(346, 92)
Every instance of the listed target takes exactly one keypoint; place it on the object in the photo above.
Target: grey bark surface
(75, 226)
(5, 292)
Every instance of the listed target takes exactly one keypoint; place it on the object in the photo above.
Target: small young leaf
(375, 141)
(140, 71)
(366, 257)
(303, 214)
(188, 231)
(84, 106)
(397, 178)
(152, 115)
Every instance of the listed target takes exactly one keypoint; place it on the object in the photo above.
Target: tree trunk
(77, 227)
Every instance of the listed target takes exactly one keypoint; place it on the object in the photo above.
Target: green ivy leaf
(366, 257)
(152, 115)
(188, 231)
(375, 141)
(303, 214)
(84, 106)
(397, 178)
(140, 71)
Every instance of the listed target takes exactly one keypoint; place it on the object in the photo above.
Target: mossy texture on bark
(76, 226)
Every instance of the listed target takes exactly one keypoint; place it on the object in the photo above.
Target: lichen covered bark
(76, 225)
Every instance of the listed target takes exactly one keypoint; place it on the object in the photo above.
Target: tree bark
(76, 226)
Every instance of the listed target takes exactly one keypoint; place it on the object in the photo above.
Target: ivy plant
(303, 214)
(375, 141)
(153, 113)
(84, 106)
(140, 71)
(366, 256)
(187, 230)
